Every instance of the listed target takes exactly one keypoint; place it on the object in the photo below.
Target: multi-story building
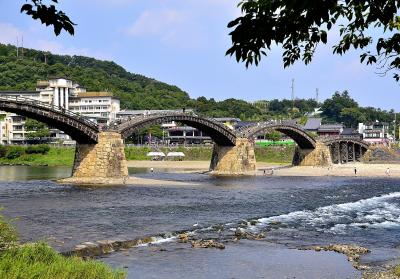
(101, 107)
(62, 92)
(375, 132)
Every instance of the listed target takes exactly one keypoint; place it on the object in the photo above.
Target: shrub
(3, 151)
(13, 154)
(37, 149)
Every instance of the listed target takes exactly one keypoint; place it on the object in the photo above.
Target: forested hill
(135, 91)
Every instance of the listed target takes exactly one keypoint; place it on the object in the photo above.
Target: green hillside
(134, 90)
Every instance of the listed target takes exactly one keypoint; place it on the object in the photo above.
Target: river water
(291, 211)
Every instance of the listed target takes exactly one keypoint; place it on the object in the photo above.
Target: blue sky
(183, 42)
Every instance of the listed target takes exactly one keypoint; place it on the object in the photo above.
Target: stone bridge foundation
(233, 160)
(104, 160)
(318, 157)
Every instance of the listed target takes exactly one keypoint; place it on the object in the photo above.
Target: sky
(183, 43)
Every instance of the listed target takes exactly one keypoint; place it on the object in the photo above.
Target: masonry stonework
(318, 157)
(106, 159)
(233, 160)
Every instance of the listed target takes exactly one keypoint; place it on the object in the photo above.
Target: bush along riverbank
(282, 154)
(44, 155)
(36, 155)
(38, 260)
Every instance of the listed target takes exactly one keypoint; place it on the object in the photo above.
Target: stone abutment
(233, 160)
(320, 156)
(101, 162)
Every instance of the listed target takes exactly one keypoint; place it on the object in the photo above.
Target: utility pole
(394, 126)
(316, 94)
(292, 95)
(17, 47)
(22, 48)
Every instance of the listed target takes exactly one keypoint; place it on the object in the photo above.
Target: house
(330, 130)
(375, 132)
(312, 124)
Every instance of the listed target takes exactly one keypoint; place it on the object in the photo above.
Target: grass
(282, 154)
(57, 156)
(38, 260)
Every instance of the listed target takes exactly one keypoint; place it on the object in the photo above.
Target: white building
(375, 132)
(101, 107)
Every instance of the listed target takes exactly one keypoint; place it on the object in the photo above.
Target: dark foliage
(299, 26)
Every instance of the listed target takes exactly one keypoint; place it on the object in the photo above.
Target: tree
(49, 15)
(273, 136)
(299, 26)
(36, 129)
(332, 108)
(352, 116)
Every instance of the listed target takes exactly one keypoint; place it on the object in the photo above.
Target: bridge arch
(80, 129)
(344, 150)
(299, 135)
(218, 132)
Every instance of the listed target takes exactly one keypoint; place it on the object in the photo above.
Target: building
(330, 130)
(186, 135)
(229, 122)
(351, 133)
(375, 132)
(100, 107)
(313, 124)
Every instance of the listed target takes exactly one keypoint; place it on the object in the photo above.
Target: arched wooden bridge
(101, 153)
(218, 132)
(79, 128)
(295, 132)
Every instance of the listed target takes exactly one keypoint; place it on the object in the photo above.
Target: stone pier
(233, 160)
(102, 163)
(318, 157)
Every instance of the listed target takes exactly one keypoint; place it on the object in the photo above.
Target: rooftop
(94, 94)
(313, 123)
(330, 127)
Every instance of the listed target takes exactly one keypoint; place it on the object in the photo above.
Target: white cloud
(165, 23)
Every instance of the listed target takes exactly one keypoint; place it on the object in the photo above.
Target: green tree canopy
(299, 26)
(332, 108)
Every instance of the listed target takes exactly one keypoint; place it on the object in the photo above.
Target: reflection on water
(16, 173)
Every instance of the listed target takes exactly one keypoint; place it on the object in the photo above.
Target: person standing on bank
(355, 171)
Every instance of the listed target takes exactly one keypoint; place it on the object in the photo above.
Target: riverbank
(38, 260)
(346, 170)
(198, 166)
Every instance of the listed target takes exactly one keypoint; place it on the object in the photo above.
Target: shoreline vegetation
(64, 156)
(39, 260)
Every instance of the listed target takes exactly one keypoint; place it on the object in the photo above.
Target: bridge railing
(259, 125)
(36, 103)
(142, 117)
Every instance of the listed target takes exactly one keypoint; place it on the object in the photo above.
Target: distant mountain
(135, 91)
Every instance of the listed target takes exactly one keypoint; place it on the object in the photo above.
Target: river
(291, 211)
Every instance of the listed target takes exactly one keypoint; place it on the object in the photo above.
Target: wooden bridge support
(344, 152)
(318, 157)
(104, 160)
(233, 160)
